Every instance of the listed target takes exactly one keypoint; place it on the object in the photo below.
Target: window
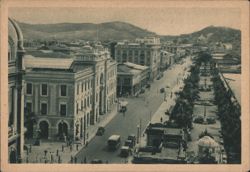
(124, 57)
(88, 101)
(126, 81)
(9, 57)
(44, 108)
(29, 88)
(85, 103)
(82, 105)
(91, 99)
(130, 59)
(142, 58)
(29, 107)
(77, 108)
(82, 87)
(63, 90)
(136, 52)
(63, 109)
(118, 52)
(77, 89)
(44, 90)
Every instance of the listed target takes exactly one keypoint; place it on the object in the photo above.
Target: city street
(138, 109)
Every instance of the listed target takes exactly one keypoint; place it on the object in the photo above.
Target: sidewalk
(165, 106)
(58, 151)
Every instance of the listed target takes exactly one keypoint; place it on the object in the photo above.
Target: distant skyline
(163, 21)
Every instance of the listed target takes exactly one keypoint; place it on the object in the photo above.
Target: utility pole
(140, 131)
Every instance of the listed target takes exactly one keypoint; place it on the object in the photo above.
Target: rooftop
(130, 68)
(47, 53)
(46, 62)
(136, 66)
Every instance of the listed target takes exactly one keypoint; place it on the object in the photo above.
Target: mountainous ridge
(89, 31)
(117, 30)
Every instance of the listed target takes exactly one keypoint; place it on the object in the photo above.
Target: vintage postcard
(124, 85)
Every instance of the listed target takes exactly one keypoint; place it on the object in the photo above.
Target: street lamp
(138, 133)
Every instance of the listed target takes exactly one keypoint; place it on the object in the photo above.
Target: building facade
(131, 78)
(67, 97)
(167, 59)
(145, 52)
(15, 92)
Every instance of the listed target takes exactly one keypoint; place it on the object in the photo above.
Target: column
(14, 109)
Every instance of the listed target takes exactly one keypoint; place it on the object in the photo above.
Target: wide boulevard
(138, 109)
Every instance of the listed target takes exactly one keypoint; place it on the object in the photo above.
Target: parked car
(211, 120)
(125, 151)
(162, 90)
(148, 86)
(142, 91)
(132, 137)
(199, 120)
(129, 143)
(96, 161)
(100, 131)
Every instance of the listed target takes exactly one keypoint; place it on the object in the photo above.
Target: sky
(163, 21)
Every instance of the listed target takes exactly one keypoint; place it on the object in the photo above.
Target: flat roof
(126, 70)
(136, 66)
(49, 63)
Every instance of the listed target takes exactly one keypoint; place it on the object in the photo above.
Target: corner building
(145, 52)
(68, 96)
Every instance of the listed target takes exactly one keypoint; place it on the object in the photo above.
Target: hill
(87, 31)
(211, 34)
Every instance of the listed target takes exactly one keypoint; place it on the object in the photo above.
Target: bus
(114, 142)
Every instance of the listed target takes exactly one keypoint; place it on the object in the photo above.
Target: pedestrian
(85, 160)
(70, 147)
(65, 138)
(51, 158)
(161, 119)
(75, 159)
(45, 153)
(62, 148)
(57, 152)
(30, 147)
(59, 159)
(71, 159)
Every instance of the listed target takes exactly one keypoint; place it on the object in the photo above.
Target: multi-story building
(144, 52)
(15, 93)
(68, 95)
(131, 78)
(167, 59)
